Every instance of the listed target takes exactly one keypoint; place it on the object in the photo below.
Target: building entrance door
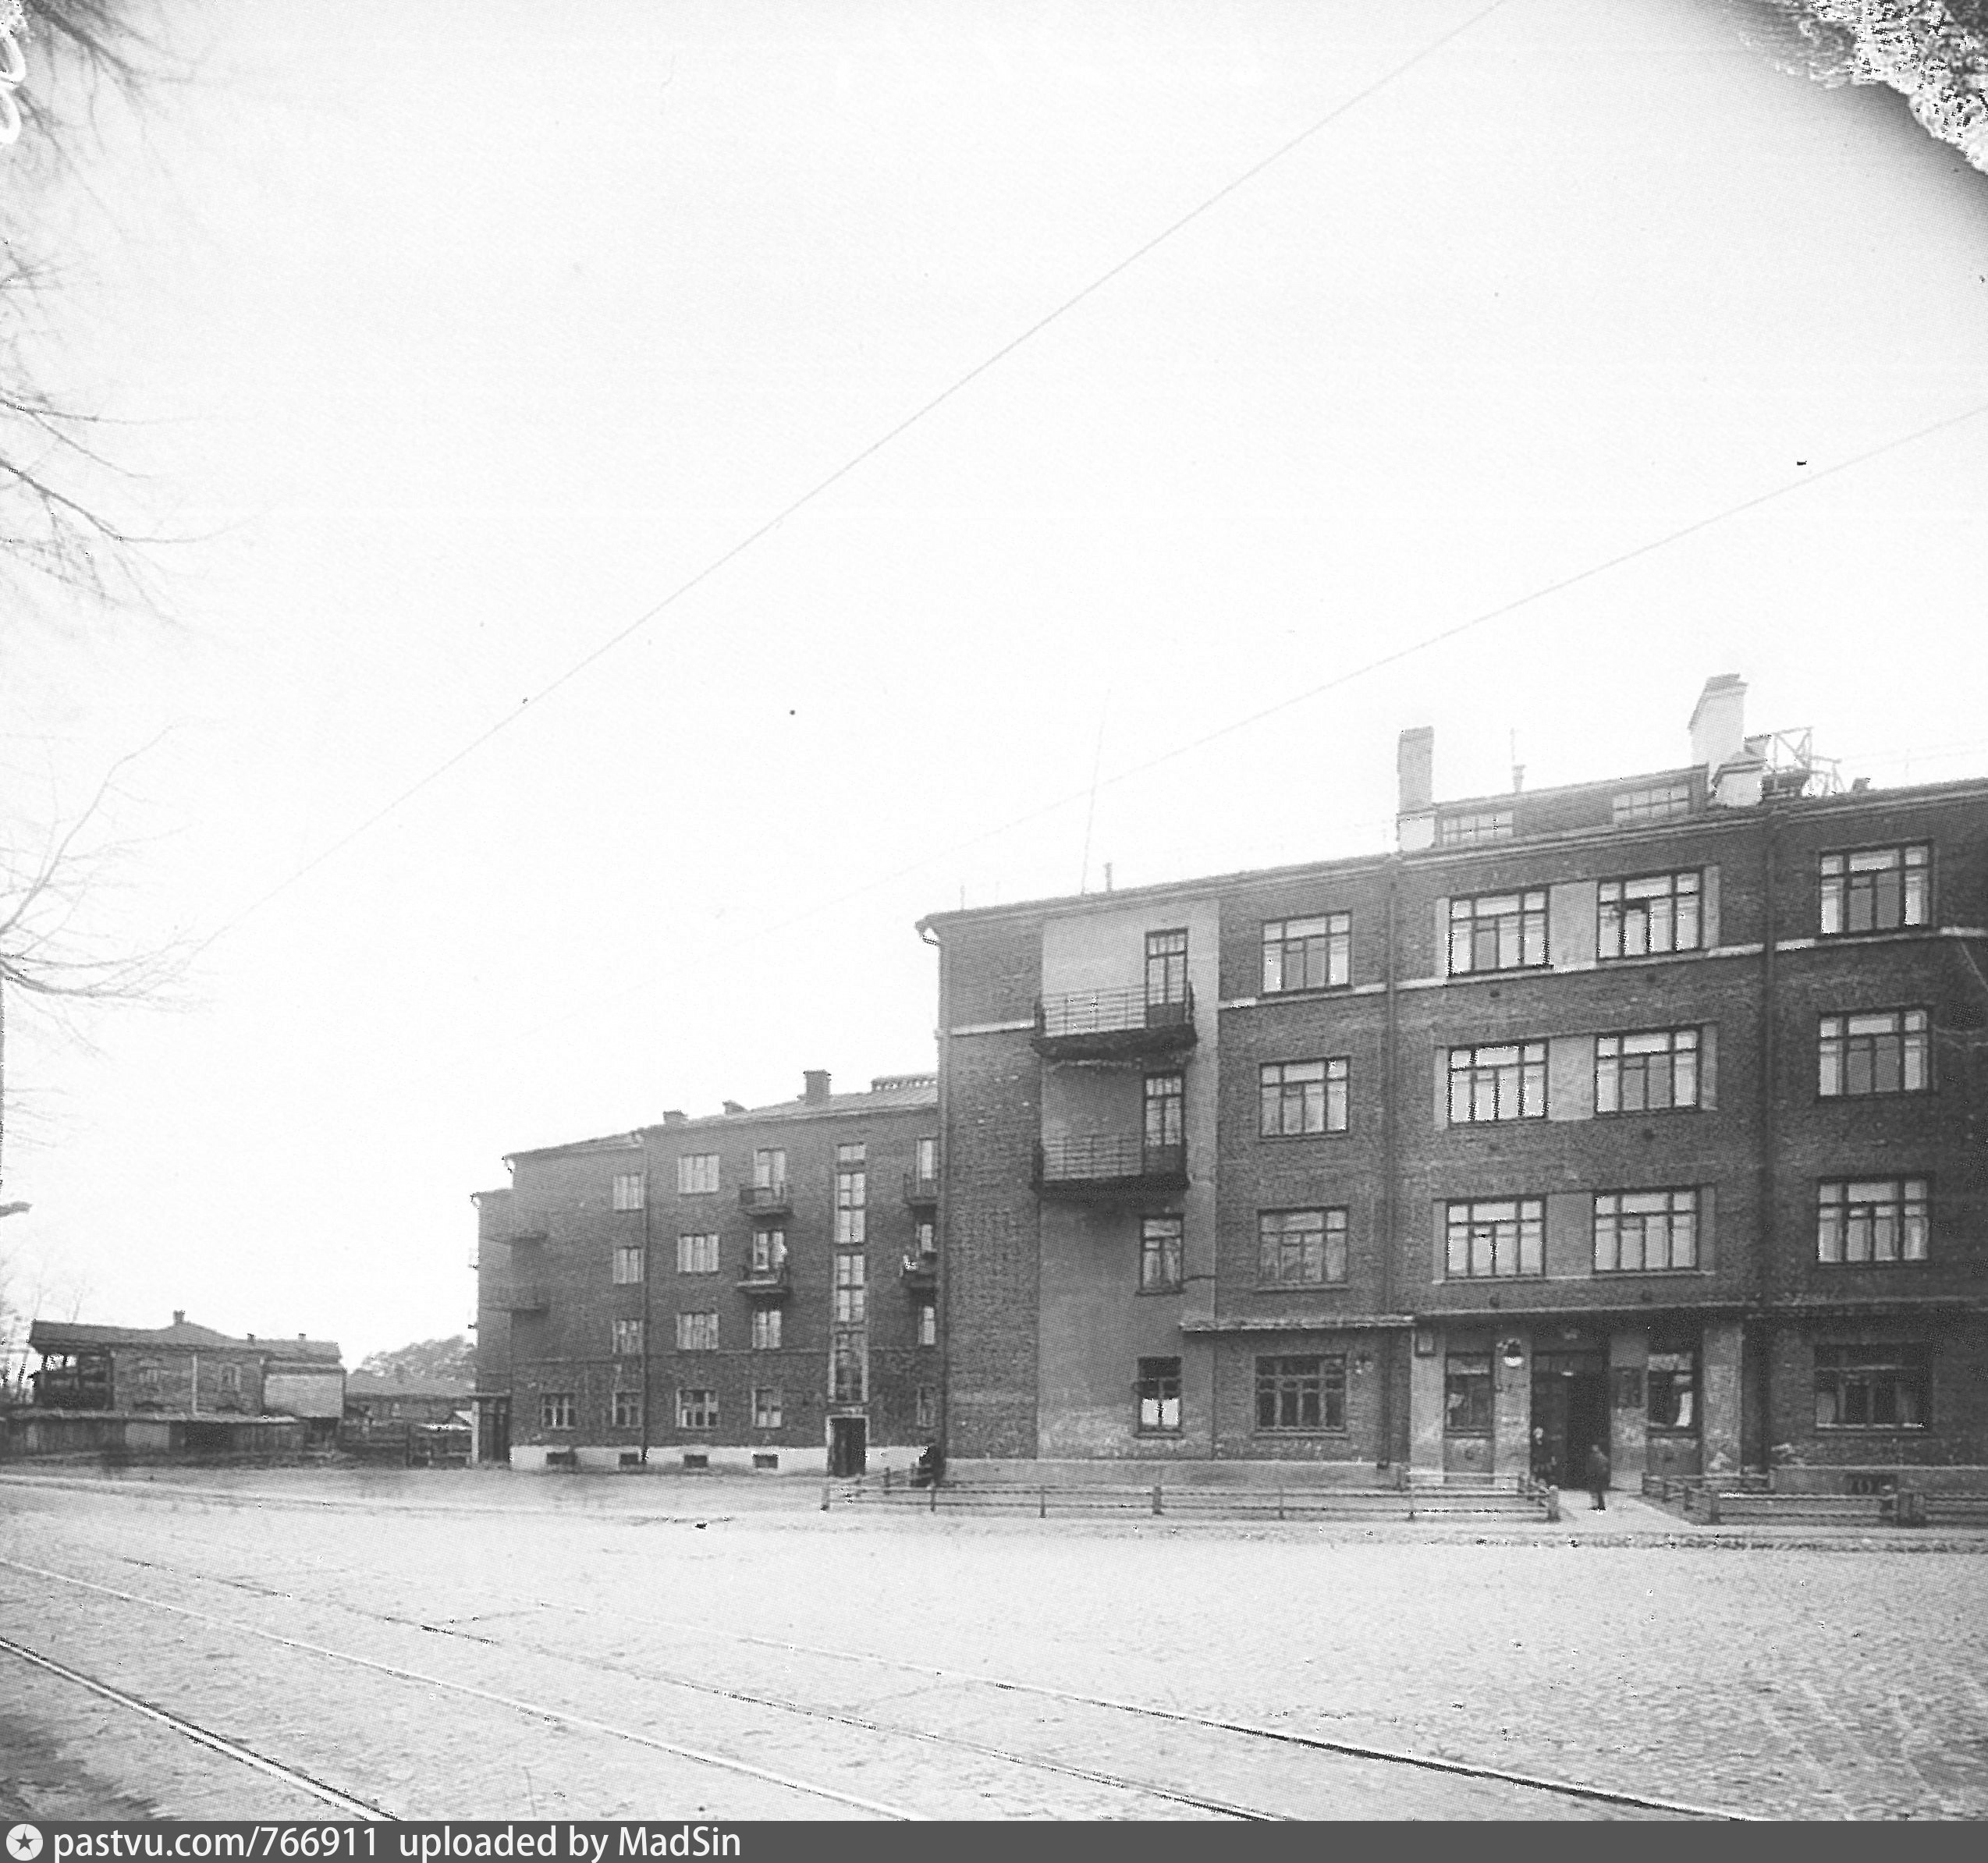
(849, 1451)
(1570, 1415)
(494, 1438)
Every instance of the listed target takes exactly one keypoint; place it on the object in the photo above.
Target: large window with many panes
(628, 1409)
(1653, 1070)
(1873, 1386)
(767, 1407)
(1876, 888)
(1880, 1051)
(697, 1254)
(556, 1410)
(697, 1408)
(696, 1173)
(1646, 1231)
(1506, 1080)
(1166, 1112)
(626, 1336)
(1297, 1098)
(1467, 1394)
(1649, 915)
(1167, 967)
(1299, 1248)
(1304, 1391)
(1308, 953)
(1498, 931)
(628, 1188)
(765, 1328)
(1495, 1238)
(1872, 1220)
(627, 1264)
(696, 1332)
(1157, 1395)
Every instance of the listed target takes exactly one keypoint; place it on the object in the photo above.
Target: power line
(958, 386)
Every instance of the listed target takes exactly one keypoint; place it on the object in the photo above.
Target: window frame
(1907, 1364)
(1910, 1208)
(693, 1169)
(1837, 889)
(627, 1264)
(1156, 1392)
(1682, 1213)
(1467, 1376)
(769, 1168)
(1161, 1242)
(1529, 914)
(1166, 959)
(767, 1329)
(1290, 1088)
(1685, 1041)
(1529, 1225)
(624, 1411)
(1283, 1242)
(768, 1406)
(625, 1337)
(629, 1191)
(928, 1322)
(1333, 942)
(1285, 1379)
(1840, 1048)
(1471, 1070)
(1163, 1111)
(698, 1329)
(697, 1406)
(556, 1410)
(1678, 901)
(1672, 1381)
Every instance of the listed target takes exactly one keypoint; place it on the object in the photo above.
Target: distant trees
(451, 1358)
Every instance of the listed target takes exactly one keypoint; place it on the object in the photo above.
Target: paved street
(391, 1635)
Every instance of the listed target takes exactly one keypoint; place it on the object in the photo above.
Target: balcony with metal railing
(766, 1199)
(921, 1187)
(764, 1279)
(920, 1271)
(1108, 1167)
(517, 1296)
(1112, 1025)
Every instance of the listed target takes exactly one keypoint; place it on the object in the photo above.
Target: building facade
(1647, 1113)
(757, 1288)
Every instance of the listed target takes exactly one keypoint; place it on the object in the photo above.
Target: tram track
(1540, 1789)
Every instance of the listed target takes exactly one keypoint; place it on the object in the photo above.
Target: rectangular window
(697, 1408)
(627, 1264)
(627, 1337)
(852, 1156)
(1300, 1248)
(769, 1169)
(696, 1332)
(1646, 1231)
(845, 1365)
(1654, 802)
(765, 1328)
(628, 1190)
(1474, 826)
(1507, 1082)
(849, 1296)
(926, 1414)
(1167, 967)
(765, 1407)
(1876, 888)
(1646, 917)
(928, 1322)
(1159, 1254)
(696, 1173)
(697, 1254)
(1159, 1394)
(1880, 1219)
(1673, 1389)
(1295, 1098)
(230, 1378)
(768, 1252)
(1308, 953)
(1497, 1239)
(852, 1205)
(1306, 1393)
(925, 1238)
(1873, 1387)
(556, 1410)
(1467, 1394)
(1655, 1071)
(1165, 1123)
(1884, 1052)
(925, 1160)
(1498, 931)
(627, 1412)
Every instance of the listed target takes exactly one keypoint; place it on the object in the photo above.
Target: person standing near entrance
(1598, 1479)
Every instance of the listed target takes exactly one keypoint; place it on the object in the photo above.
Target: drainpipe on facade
(1765, 1227)
(646, 1316)
(1390, 1199)
(942, 1293)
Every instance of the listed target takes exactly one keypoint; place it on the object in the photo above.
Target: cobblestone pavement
(1809, 1679)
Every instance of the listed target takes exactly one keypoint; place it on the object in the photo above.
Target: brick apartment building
(755, 1289)
(1648, 1112)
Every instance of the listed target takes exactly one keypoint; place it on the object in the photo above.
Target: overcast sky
(467, 341)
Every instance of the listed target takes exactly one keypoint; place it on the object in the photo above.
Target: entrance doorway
(493, 1437)
(848, 1446)
(1570, 1415)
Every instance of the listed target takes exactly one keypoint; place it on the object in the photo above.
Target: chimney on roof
(675, 1117)
(814, 1086)
(1415, 766)
(179, 1316)
(734, 1106)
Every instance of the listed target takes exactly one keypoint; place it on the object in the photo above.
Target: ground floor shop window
(1672, 1390)
(1467, 1394)
(1159, 1391)
(1306, 1392)
(1873, 1387)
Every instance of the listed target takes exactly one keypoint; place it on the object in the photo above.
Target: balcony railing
(766, 1199)
(1107, 1165)
(764, 1280)
(920, 1271)
(1111, 1024)
(517, 1296)
(921, 1187)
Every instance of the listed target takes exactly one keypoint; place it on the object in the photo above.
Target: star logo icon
(23, 1844)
